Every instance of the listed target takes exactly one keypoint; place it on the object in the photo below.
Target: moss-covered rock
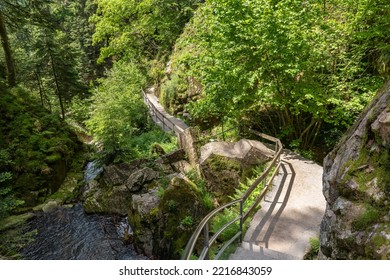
(112, 193)
(222, 175)
(108, 200)
(357, 187)
(164, 222)
(181, 209)
(144, 220)
(15, 221)
(224, 165)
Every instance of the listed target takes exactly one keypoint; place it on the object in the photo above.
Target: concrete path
(164, 120)
(290, 214)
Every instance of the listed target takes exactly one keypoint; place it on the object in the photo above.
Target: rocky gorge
(165, 198)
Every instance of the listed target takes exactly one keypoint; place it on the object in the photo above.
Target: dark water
(70, 234)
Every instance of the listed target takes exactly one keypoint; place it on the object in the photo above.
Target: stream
(68, 233)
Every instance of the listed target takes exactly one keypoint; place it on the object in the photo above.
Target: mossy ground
(41, 146)
(38, 149)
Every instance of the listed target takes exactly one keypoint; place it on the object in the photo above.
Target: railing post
(206, 240)
(241, 219)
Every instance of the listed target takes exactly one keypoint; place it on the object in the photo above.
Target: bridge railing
(209, 238)
(165, 122)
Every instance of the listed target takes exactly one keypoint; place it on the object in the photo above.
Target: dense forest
(72, 71)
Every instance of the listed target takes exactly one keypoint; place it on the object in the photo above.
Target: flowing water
(92, 170)
(68, 233)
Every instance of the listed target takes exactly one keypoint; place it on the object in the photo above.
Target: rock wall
(356, 185)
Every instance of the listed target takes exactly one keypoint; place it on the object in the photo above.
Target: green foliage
(169, 91)
(139, 29)
(118, 112)
(7, 200)
(142, 144)
(206, 197)
(79, 109)
(187, 221)
(287, 67)
(50, 57)
(312, 254)
(233, 212)
(315, 244)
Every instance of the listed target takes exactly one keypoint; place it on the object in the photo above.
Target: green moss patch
(369, 217)
(15, 221)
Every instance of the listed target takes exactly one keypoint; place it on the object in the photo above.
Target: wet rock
(50, 206)
(109, 200)
(112, 194)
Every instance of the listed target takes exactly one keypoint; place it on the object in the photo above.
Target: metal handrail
(242, 217)
(163, 119)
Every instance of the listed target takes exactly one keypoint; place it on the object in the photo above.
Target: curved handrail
(161, 117)
(242, 217)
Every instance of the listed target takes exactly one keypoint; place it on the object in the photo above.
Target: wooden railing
(267, 177)
(157, 115)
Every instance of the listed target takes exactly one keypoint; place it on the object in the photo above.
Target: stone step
(248, 251)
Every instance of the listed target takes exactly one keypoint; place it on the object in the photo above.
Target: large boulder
(163, 221)
(107, 200)
(139, 178)
(113, 193)
(248, 152)
(224, 164)
(117, 174)
(144, 220)
(356, 185)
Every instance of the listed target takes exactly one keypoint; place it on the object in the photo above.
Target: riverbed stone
(112, 200)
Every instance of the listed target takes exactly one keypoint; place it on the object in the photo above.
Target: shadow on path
(277, 201)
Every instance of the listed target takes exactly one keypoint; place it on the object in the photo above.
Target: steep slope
(37, 148)
(356, 181)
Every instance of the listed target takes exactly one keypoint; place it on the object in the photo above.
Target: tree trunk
(38, 77)
(57, 84)
(11, 76)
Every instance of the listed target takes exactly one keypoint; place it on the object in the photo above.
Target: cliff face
(356, 185)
